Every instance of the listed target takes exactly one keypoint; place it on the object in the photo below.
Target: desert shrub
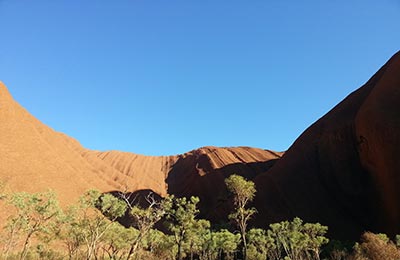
(158, 245)
(375, 247)
(35, 219)
(38, 229)
(116, 241)
(90, 225)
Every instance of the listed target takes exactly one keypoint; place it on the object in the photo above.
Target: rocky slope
(33, 157)
(343, 171)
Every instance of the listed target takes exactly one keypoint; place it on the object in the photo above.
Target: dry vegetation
(37, 228)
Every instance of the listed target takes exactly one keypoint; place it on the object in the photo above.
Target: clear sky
(166, 77)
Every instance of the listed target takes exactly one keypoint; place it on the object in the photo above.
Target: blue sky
(166, 77)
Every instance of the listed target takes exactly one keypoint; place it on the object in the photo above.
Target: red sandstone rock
(343, 171)
(34, 157)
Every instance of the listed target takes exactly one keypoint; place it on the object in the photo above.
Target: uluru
(342, 171)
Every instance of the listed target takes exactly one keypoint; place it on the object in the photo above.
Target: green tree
(70, 232)
(116, 241)
(183, 223)
(198, 236)
(259, 244)
(315, 237)
(243, 192)
(159, 245)
(96, 215)
(297, 240)
(144, 219)
(226, 243)
(36, 216)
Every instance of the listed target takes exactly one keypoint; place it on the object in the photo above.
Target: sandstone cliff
(34, 157)
(343, 171)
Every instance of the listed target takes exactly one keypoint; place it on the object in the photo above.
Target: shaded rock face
(202, 173)
(377, 125)
(343, 171)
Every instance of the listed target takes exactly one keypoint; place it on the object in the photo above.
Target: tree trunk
(179, 252)
(244, 249)
(134, 247)
(91, 250)
(191, 251)
(26, 245)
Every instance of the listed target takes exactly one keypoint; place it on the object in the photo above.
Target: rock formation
(343, 171)
(34, 157)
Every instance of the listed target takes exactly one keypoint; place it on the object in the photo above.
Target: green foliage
(38, 229)
(35, 217)
(159, 245)
(144, 219)
(226, 243)
(110, 206)
(297, 240)
(243, 192)
(397, 240)
(70, 233)
(116, 241)
(259, 244)
(184, 226)
(383, 237)
(88, 223)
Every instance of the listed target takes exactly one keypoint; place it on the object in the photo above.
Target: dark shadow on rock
(193, 175)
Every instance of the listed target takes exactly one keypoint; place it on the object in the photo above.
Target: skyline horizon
(162, 78)
(194, 148)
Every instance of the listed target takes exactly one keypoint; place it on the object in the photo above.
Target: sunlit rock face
(343, 171)
(34, 157)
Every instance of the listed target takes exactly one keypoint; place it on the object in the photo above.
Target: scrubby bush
(259, 244)
(34, 218)
(375, 247)
(296, 240)
(38, 229)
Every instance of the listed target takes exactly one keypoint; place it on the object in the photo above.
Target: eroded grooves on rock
(343, 171)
